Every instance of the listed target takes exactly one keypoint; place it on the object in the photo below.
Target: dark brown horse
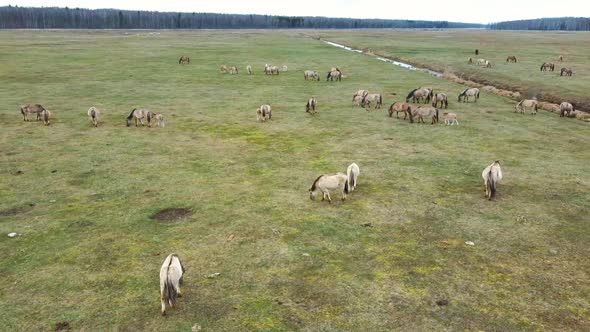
(566, 71)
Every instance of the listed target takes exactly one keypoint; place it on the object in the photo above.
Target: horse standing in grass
(470, 61)
(527, 103)
(27, 109)
(311, 74)
(418, 94)
(263, 113)
(375, 98)
(511, 58)
(560, 58)
(138, 115)
(358, 101)
(398, 107)
(224, 69)
(94, 115)
(566, 109)
(450, 118)
(566, 71)
(310, 106)
(334, 75)
(361, 93)
(547, 66)
(233, 70)
(171, 274)
(249, 69)
(46, 116)
(325, 183)
(159, 120)
(422, 112)
(352, 173)
(491, 176)
(467, 93)
(442, 98)
(184, 60)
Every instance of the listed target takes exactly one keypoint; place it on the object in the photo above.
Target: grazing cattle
(310, 106)
(527, 103)
(442, 98)
(311, 75)
(566, 109)
(27, 109)
(171, 274)
(184, 60)
(325, 183)
(422, 112)
(450, 118)
(491, 176)
(94, 115)
(352, 172)
(372, 98)
(398, 107)
(467, 93)
(263, 113)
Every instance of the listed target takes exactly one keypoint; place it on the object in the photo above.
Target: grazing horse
(27, 109)
(224, 69)
(310, 106)
(442, 98)
(560, 58)
(450, 118)
(358, 101)
(470, 92)
(491, 176)
(470, 61)
(352, 173)
(139, 115)
(311, 74)
(484, 63)
(527, 103)
(159, 120)
(424, 111)
(361, 93)
(233, 70)
(400, 108)
(547, 66)
(566, 71)
(511, 58)
(372, 98)
(271, 70)
(564, 108)
(325, 183)
(334, 74)
(263, 113)
(184, 59)
(46, 115)
(94, 115)
(170, 280)
(249, 69)
(420, 93)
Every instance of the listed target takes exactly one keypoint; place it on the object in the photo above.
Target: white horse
(352, 173)
(94, 115)
(249, 69)
(325, 183)
(527, 103)
(139, 115)
(170, 279)
(311, 74)
(470, 92)
(491, 176)
(263, 113)
(46, 115)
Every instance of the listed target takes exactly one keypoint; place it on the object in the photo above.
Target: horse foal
(170, 279)
(450, 118)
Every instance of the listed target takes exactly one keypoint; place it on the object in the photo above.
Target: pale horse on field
(491, 176)
(94, 115)
(353, 171)
(170, 279)
(325, 183)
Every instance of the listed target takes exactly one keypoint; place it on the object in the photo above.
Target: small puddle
(393, 62)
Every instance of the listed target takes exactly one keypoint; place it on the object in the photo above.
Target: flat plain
(83, 197)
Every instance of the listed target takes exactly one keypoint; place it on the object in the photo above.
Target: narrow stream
(397, 63)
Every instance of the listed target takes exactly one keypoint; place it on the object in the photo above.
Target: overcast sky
(471, 11)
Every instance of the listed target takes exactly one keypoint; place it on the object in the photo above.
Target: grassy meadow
(83, 197)
(448, 50)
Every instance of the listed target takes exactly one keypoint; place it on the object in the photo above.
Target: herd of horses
(545, 66)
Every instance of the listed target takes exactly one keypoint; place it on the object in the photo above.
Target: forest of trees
(558, 23)
(12, 17)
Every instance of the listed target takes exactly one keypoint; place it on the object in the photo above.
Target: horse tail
(346, 187)
(349, 180)
(410, 95)
(380, 100)
(411, 116)
(436, 114)
(93, 114)
(477, 95)
(170, 293)
(491, 185)
(45, 116)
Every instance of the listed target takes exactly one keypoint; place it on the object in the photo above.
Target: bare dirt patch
(172, 214)
(62, 326)
(16, 210)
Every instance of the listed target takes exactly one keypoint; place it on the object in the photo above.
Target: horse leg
(327, 193)
(163, 305)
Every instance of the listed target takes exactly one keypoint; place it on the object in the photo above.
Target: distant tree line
(14, 17)
(558, 23)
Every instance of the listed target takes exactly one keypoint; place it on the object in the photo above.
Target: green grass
(448, 50)
(90, 254)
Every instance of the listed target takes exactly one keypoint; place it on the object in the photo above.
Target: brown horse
(400, 108)
(566, 109)
(566, 71)
(511, 58)
(370, 98)
(547, 66)
(184, 59)
(27, 109)
(442, 98)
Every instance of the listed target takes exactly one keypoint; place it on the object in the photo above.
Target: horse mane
(463, 93)
(313, 186)
(131, 114)
(411, 93)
